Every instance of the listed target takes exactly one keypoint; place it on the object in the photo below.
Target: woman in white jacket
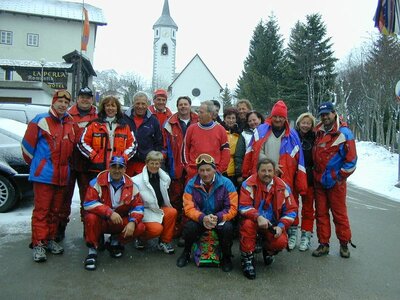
(159, 216)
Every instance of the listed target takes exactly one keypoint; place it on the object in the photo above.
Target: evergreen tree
(226, 97)
(309, 65)
(260, 79)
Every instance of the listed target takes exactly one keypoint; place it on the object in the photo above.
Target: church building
(195, 80)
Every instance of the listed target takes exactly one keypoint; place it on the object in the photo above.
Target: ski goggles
(63, 94)
(205, 158)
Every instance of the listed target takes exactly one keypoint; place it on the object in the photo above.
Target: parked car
(14, 172)
(22, 112)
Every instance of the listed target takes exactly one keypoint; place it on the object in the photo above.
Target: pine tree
(309, 65)
(260, 79)
(226, 97)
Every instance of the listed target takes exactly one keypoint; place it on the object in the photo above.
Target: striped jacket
(291, 159)
(221, 200)
(334, 154)
(274, 202)
(98, 199)
(47, 147)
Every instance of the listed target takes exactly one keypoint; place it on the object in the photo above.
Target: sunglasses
(64, 94)
(204, 158)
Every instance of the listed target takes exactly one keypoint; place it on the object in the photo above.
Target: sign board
(56, 79)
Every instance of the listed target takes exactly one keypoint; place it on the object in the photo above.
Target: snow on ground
(377, 171)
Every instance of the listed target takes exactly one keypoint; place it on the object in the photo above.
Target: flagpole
(79, 79)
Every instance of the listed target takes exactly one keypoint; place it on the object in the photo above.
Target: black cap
(85, 91)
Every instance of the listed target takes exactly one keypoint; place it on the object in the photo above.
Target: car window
(18, 115)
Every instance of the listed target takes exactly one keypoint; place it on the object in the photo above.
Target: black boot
(268, 257)
(226, 262)
(247, 262)
(183, 259)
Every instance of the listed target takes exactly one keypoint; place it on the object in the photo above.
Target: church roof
(54, 9)
(165, 19)
(191, 61)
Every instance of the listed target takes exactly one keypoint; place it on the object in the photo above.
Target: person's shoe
(139, 244)
(54, 248)
(39, 253)
(305, 240)
(90, 262)
(247, 263)
(268, 258)
(344, 251)
(183, 259)
(60, 232)
(166, 248)
(116, 251)
(323, 249)
(292, 235)
(226, 263)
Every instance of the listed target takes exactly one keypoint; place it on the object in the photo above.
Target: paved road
(372, 272)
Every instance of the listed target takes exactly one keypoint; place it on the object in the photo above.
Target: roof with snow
(54, 9)
(33, 64)
(165, 19)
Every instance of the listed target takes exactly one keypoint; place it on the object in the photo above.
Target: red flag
(85, 31)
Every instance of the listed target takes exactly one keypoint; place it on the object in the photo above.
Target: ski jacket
(273, 201)
(47, 147)
(173, 143)
(291, 158)
(152, 212)
(221, 200)
(242, 144)
(79, 162)
(148, 135)
(98, 198)
(334, 154)
(99, 146)
(162, 116)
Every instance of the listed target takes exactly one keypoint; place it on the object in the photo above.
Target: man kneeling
(210, 202)
(266, 207)
(112, 205)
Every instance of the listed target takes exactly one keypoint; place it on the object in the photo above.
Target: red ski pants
(96, 225)
(333, 199)
(48, 200)
(165, 230)
(307, 210)
(248, 236)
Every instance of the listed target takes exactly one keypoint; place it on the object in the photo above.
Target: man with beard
(275, 140)
(267, 208)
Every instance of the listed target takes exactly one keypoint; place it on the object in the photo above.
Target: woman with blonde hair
(305, 124)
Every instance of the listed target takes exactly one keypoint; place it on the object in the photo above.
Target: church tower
(164, 49)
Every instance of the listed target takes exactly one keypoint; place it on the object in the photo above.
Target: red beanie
(61, 94)
(160, 92)
(279, 109)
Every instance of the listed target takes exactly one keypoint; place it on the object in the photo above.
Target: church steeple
(164, 49)
(165, 19)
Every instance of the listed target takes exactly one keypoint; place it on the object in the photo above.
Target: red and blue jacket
(291, 159)
(173, 143)
(334, 154)
(221, 200)
(47, 147)
(98, 198)
(273, 201)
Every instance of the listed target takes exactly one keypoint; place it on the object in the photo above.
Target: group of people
(148, 173)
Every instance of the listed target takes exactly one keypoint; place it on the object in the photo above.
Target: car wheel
(7, 194)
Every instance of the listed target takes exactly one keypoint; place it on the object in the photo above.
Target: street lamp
(42, 63)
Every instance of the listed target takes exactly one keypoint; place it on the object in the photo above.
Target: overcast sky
(218, 30)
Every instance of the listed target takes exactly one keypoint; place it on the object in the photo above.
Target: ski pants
(165, 230)
(334, 200)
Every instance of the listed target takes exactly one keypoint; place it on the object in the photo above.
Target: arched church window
(164, 49)
(157, 32)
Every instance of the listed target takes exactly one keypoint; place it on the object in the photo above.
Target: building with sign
(195, 80)
(40, 41)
